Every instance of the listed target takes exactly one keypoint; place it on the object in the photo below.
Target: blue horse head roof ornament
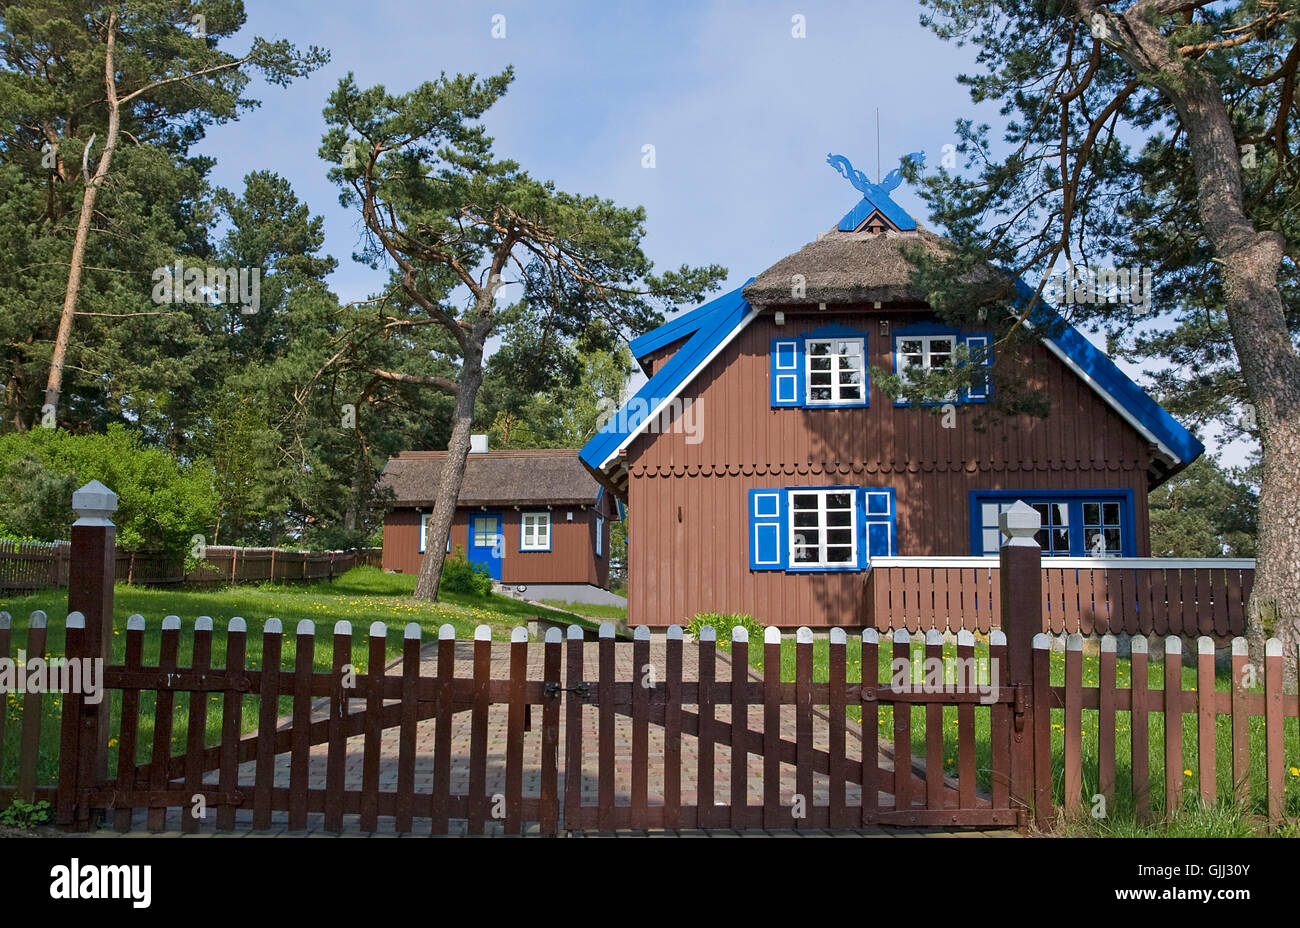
(874, 196)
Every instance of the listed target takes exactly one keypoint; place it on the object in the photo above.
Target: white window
(823, 528)
(925, 353)
(535, 532)
(600, 534)
(424, 531)
(836, 371)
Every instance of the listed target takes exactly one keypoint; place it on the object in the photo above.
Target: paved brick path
(496, 754)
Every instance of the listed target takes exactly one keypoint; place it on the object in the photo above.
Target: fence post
(1021, 591)
(92, 568)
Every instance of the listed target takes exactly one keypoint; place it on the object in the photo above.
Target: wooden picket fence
(1240, 703)
(239, 771)
(30, 566)
(803, 781)
(26, 566)
(628, 738)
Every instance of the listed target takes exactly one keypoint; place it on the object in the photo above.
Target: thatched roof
(846, 267)
(532, 476)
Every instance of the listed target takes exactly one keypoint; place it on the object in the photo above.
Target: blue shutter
(767, 531)
(787, 372)
(878, 513)
(980, 388)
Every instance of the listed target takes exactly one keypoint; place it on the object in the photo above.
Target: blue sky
(740, 112)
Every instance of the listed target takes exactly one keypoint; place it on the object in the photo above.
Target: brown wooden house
(763, 472)
(534, 518)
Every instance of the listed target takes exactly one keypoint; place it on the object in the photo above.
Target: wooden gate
(545, 737)
(661, 737)
(643, 735)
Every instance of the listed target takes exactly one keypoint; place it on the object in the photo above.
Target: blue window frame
(821, 528)
(1076, 523)
(822, 369)
(928, 346)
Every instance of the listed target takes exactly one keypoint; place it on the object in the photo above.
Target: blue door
(486, 542)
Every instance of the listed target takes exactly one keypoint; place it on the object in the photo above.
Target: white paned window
(823, 528)
(836, 371)
(600, 535)
(536, 532)
(925, 353)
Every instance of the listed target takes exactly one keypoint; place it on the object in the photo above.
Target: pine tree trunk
(1250, 260)
(453, 473)
(77, 263)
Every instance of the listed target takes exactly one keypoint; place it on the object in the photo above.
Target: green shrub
(163, 501)
(25, 815)
(723, 623)
(460, 576)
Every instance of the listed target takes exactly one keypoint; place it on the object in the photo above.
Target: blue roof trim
(711, 324)
(1093, 361)
(718, 324)
(888, 208)
(685, 324)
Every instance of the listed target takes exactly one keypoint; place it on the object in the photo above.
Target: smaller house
(535, 518)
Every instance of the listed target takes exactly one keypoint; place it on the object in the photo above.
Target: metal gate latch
(1018, 709)
(553, 689)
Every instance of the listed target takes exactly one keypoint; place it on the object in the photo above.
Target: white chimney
(477, 444)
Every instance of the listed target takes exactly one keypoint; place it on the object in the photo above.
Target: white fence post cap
(94, 504)
(1020, 523)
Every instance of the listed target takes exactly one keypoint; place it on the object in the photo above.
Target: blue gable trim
(686, 324)
(666, 381)
(1104, 372)
(710, 325)
(888, 208)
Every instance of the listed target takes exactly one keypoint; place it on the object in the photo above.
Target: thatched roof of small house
(531, 477)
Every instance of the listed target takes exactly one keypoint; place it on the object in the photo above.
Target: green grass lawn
(590, 610)
(361, 596)
(1121, 818)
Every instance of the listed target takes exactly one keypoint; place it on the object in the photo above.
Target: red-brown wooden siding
(572, 557)
(689, 547)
